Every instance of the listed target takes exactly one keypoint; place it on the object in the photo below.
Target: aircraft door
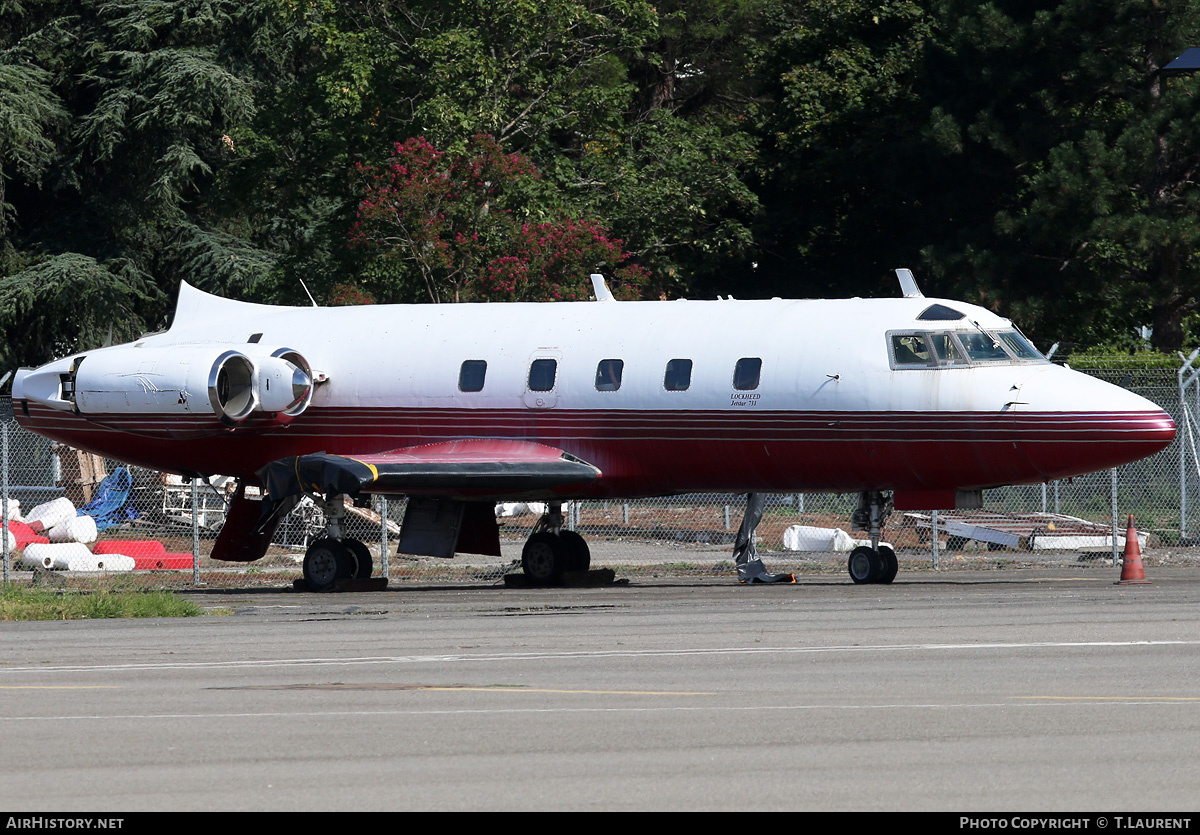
(542, 379)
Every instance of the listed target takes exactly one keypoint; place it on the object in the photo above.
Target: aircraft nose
(1077, 424)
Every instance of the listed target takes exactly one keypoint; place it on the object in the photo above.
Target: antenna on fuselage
(908, 284)
(603, 294)
(310, 296)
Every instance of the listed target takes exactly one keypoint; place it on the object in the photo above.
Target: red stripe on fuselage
(653, 452)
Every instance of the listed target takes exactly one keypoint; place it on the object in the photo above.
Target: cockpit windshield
(956, 349)
(1021, 347)
(983, 347)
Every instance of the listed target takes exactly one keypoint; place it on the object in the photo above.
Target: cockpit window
(911, 349)
(951, 349)
(947, 350)
(983, 347)
(939, 312)
(1021, 347)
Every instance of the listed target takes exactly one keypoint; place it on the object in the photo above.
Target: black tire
(865, 565)
(544, 559)
(579, 556)
(891, 565)
(362, 555)
(325, 562)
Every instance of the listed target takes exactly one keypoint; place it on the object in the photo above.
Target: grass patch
(27, 603)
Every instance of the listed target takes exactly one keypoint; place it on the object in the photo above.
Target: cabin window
(678, 376)
(746, 373)
(542, 374)
(608, 375)
(471, 375)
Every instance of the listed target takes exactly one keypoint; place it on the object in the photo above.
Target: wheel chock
(768, 578)
(570, 579)
(754, 572)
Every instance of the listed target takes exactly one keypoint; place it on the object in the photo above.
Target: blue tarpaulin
(111, 506)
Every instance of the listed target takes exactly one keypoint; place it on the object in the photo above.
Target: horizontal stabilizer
(473, 468)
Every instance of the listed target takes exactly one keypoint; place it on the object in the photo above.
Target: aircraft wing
(472, 468)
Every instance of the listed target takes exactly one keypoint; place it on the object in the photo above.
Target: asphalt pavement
(1025, 689)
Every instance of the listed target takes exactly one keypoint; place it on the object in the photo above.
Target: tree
(454, 222)
(840, 154)
(1081, 155)
(116, 117)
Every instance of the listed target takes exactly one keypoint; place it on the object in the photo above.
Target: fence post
(4, 489)
(933, 536)
(383, 535)
(1186, 370)
(1113, 502)
(195, 533)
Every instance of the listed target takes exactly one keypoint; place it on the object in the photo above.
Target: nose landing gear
(875, 563)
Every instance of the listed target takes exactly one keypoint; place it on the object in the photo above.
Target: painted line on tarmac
(723, 709)
(583, 654)
(1113, 699)
(59, 687)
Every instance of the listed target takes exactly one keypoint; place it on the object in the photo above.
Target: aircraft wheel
(890, 564)
(579, 555)
(325, 562)
(544, 559)
(865, 565)
(362, 555)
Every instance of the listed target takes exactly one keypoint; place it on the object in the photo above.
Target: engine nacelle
(229, 385)
(283, 382)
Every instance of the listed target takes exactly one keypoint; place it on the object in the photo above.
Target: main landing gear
(550, 552)
(332, 557)
(874, 563)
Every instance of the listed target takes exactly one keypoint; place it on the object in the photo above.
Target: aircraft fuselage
(660, 397)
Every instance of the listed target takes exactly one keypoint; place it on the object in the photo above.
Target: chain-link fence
(163, 526)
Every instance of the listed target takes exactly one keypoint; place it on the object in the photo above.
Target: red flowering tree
(449, 221)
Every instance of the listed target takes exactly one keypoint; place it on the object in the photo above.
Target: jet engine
(199, 379)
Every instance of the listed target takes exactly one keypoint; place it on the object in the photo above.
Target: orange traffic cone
(1131, 560)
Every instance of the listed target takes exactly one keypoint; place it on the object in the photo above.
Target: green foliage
(840, 147)
(70, 302)
(1028, 157)
(25, 603)
(29, 113)
(453, 220)
(1081, 153)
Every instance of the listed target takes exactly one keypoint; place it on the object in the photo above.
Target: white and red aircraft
(459, 406)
